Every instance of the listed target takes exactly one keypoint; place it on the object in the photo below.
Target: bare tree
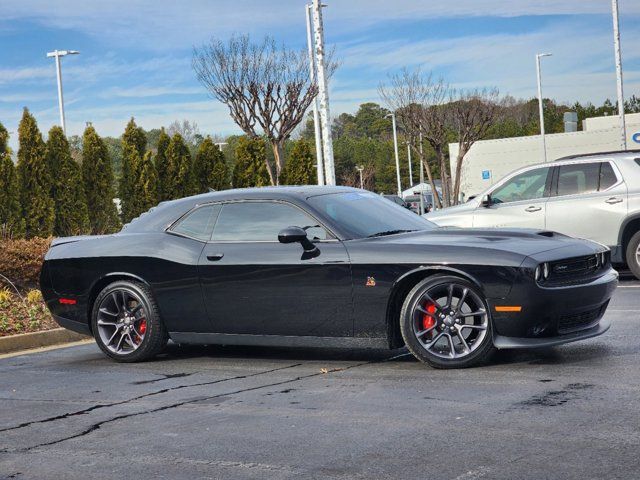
(266, 88)
(352, 178)
(419, 103)
(471, 115)
(188, 130)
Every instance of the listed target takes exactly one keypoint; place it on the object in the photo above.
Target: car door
(253, 284)
(588, 200)
(518, 202)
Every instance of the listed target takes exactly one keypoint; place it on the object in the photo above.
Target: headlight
(542, 272)
(545, 270)
(603, 258)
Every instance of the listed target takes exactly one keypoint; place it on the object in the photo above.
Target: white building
(490, 160)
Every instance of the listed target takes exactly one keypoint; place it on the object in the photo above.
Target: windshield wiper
(389, 232)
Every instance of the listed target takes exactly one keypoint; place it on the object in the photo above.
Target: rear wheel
(445, 322)
(126, 322)
(633, 255)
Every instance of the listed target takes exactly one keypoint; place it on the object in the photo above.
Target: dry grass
(22, 316)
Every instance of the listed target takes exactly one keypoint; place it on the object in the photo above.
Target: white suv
(594, 196)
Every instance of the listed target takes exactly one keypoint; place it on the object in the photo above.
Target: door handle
(532, 209)
(613, 200)
(215, 257)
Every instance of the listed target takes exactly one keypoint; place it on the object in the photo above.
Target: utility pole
(360, 168)
(316, 119)
(323, 93)
(540, 104)
(57, 54)
(618, 54)
(395, 148)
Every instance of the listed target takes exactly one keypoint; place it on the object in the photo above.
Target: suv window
(528, 185)
(578, 178)
(262, 221)
(607, 176)
(199, 223)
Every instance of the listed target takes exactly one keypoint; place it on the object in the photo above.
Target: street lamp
(540, 106)
(220, 144)
(410, 167)
(395, 147)
(360, 168)
(57, 54)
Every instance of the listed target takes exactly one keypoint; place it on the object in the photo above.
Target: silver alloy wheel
(638, 255)
(122, 321)
(450, 320)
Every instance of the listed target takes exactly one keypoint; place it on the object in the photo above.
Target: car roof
(617, 153)
(165, 213)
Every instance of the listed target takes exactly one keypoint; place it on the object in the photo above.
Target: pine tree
(34, 179)
(145, 191)
(161, 164)
(97, 177)
(209, 168)
(179, 176)
(300, 168)
(67, 191)
(11, 222)
(250, 169)
(134, 144)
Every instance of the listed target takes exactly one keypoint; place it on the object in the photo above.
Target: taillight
(67, 301)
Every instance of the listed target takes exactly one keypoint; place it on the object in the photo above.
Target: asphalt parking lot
(220, 412)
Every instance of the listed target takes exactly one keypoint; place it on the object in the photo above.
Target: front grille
(579, 321)
(575, 270)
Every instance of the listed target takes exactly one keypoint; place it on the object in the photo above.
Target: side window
(578, 178)
(199, 223)
(607, 176)
(262, 221)
(528, 185)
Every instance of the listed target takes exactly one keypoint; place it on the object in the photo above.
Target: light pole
(220, 144)
(421, 177)
(360, 168)
(540, 106)
(395, 147)
(410, 168)
(316, 116)
(616, 49)
(57, 54)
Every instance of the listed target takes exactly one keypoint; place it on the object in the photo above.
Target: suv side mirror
(486, 201)
(296, 235)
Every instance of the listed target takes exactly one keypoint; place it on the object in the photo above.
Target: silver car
(595, 196)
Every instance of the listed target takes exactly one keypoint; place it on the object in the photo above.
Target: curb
(26, 341)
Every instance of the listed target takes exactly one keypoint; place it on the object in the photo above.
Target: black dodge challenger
(324, 266)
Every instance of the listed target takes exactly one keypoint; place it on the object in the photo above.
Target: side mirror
(486, 201)
(296, 235)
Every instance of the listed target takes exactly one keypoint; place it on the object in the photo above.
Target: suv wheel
(633, 255)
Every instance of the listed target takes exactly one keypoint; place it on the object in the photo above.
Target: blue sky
(136, 55)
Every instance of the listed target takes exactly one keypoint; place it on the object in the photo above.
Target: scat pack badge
(371, 282)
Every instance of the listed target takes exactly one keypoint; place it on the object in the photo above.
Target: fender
(435, 269)
(620, 245)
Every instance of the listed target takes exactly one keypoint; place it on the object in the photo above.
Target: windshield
(365, 214)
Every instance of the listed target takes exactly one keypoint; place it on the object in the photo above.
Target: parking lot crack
(140, 397)
(98, 425)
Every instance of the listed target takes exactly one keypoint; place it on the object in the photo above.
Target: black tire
(155, 337)
(632, 255)
(480, 352)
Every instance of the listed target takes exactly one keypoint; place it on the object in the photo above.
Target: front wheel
(633, 255)
(126, 323)
(445, 322)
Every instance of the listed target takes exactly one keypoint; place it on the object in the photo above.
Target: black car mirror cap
(486, 201)
(296, 235)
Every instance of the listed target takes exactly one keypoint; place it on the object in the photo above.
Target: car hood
(520, 241)
(443, 212)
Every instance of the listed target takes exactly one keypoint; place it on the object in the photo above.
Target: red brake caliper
(428, 319)
(142, 327)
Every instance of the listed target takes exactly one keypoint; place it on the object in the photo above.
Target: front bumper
(553, 315)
